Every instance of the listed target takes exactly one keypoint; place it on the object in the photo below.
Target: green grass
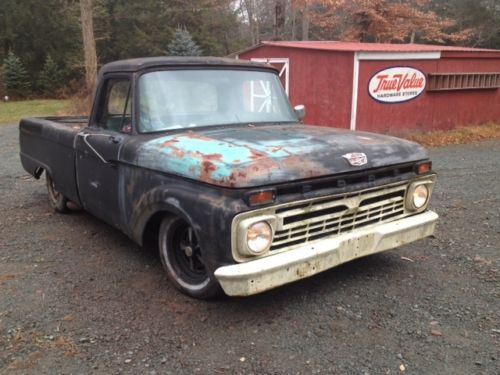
(12, 112)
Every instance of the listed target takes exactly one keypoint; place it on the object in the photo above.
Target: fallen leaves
(479, 260)
(69, 318)
(455, 136)
(436, 332)
(6, 277)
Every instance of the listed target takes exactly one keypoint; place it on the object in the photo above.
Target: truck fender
(152, 203)
(34, 167)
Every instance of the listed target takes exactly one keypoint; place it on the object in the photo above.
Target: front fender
(152, 202)
(208, 209)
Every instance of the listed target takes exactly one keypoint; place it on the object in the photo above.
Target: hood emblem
(356, 159)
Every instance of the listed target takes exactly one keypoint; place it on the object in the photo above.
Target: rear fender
(34, 167)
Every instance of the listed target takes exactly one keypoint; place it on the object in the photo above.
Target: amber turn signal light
(424, 167)
(261, 197)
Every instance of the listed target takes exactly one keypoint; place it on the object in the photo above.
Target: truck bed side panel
(48, 143)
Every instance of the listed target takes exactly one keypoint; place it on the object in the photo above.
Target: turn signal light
(261, 197)
(424, 167)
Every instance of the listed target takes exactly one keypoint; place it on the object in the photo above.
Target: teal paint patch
(197, 156)
(244, 156)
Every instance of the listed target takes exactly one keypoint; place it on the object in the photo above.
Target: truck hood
(247, 156)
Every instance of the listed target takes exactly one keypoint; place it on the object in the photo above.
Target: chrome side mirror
(300, 111)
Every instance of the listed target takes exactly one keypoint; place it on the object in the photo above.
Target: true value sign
(397, 84)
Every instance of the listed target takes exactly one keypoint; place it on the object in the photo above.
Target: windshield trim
(220, 126)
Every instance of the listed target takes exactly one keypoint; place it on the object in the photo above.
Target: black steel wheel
(56, 199)
(182, 259)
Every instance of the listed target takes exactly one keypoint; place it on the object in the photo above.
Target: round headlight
(259, 237)
(420, 196)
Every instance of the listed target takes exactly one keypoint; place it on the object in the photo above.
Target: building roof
(369, 47)
(133, 65)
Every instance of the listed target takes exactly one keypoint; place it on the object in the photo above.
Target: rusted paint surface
(245, 156)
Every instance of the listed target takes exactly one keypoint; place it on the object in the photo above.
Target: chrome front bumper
(256, 276)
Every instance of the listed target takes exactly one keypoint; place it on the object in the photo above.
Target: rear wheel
(181, 256)
(56, 199)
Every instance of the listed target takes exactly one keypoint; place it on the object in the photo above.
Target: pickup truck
(206, 159)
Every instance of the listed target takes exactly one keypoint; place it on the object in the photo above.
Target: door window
(117, 112)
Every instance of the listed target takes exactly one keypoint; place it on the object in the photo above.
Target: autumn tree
(385, 21)
(481, 18)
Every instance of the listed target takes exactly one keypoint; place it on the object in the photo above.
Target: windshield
(192, 98)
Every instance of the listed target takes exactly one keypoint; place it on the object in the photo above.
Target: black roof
(133, 65)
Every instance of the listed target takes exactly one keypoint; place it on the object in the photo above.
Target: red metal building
(387, 87)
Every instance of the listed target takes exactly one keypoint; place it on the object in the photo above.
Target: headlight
(420, 196)
(259, 237)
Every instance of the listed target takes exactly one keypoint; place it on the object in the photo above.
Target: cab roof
(134, 65)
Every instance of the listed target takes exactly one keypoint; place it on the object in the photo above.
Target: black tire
(181, 257)
(57, 200)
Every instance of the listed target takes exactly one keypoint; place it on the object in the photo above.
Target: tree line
(41, 42)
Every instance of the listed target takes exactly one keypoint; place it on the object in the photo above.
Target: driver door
(98, 149)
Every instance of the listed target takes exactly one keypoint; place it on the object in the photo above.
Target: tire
(57, 200)
(182, 260)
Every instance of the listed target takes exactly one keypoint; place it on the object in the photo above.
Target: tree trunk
(305, 22)
(279, 19)
(88, 45)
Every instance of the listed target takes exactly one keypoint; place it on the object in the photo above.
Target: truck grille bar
(304, 222)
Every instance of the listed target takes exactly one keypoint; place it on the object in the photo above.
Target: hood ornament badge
(356, 159)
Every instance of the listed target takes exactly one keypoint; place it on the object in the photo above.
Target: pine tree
(15, 76)
(51, 78)
(183, 44)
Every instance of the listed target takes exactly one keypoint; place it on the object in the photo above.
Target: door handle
(115, 139)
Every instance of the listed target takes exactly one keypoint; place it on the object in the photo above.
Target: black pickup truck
(206, 158)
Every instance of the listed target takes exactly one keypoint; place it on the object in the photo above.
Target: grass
(458, 135)
(12, 112)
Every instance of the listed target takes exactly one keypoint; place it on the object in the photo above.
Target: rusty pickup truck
(206, 159)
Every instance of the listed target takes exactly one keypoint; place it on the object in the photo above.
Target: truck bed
(47, 144)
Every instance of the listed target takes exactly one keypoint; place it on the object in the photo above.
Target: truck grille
(323, 217)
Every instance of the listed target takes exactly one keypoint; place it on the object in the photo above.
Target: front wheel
(181, 256)
(57, 200)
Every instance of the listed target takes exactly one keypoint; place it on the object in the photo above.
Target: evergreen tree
(15, 76)
(51, 78)
(183, 44)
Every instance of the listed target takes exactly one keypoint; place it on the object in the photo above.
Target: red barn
(387, 87)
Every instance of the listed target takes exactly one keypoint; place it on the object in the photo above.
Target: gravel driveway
(77, 296)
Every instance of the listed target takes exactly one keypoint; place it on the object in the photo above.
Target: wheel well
(152, 230)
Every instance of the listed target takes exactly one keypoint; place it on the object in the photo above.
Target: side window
(116, 113)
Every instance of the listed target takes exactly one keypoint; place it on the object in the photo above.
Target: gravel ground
(77, 296)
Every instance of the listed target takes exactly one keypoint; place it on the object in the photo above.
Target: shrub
(15, 76)
(51, 78)
(183, 44)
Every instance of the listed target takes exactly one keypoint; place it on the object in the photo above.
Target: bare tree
(279, 19)
(88, 45)
(305, 21)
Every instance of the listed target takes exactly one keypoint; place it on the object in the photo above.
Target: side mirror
(300, 111)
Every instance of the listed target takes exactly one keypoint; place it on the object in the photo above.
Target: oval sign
(397, 84)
